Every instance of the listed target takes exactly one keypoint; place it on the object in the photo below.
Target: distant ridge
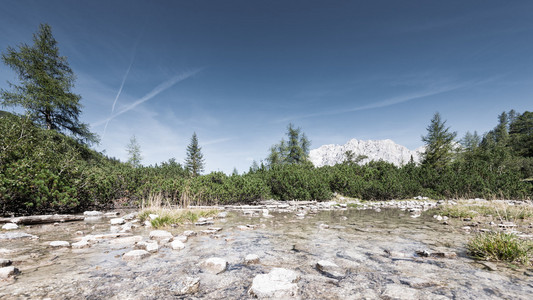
(386, 150)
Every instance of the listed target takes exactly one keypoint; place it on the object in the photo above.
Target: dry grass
(497, 210)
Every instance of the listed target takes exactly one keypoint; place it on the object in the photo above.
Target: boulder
(7, 272)
(279, 283)
(160, 235)
(117, 221)
(60, 244)
(135, 255)
(10, 226)
(214, 265)
(330, 269)
(177, 245)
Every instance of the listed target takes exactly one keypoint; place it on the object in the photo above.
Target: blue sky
(238, 72)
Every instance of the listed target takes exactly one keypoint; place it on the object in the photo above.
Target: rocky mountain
(385, 150)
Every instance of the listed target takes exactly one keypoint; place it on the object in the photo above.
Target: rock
(189, 233)
(111, 214)
(153, 216)
(222, 215)
(135, 255)
(7, 272)
(147, 223)
(93, 213)
(330, 269)
(251, 259)
(489, 266)
(279, 283)
(216, 229)
(160, 235)
(129, 217)
(323, 226)
(242, 227)
(208, 231)
(204, 223)
(79, 232)
(186, 286)
(126, 227)
(444, 254)
(150, 246)
(5, 262)
(529, 272)
(214, 265)
(417, 282)
(181, 238)
(117, 221)
(177, 245)
(60, 244)
(81, 244)
(10, 226)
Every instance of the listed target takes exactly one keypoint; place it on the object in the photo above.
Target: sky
(238, 72)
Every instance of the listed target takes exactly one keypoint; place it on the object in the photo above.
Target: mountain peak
(386, 150)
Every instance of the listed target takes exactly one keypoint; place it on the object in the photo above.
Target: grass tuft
(501, 246)
(168, 217)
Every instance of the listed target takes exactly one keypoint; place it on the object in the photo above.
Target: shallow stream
(375, 250)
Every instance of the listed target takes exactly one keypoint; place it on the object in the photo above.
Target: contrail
(158, 89)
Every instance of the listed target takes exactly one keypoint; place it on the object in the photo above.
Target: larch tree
(44, 91)
(134, 152)
(293, 151)
(439, 143)
(195, 159)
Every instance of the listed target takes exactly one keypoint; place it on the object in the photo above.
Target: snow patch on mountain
(386, 150)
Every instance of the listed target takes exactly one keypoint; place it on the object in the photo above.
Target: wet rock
(204, 223)
(7, 272)
(330, 269)
(135, 255)
(181, 238)
(216, 229)
(222, 215)
(93, 213)
(10, 226)
(117, 221)
(160, 235)
(150, 246)
(177, 245)
(186, 286)
(5, 262)
(81, 244)
(279, 283)
(189, 233)
(16, 235)
(129, 217)
(111, 214)
(214, 265)
(400, 292)
(59, 244)
(251, 259)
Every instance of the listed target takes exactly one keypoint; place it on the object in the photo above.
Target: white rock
(10, 226)
(279, 283)
(7, 272)
(150, 246)
(214, 265)
(189, 233)
(129, 217)
(330, 269)
(60, 244)
(135, 255)
(80, 244)
(153, 216)
(93, 213)
(251, 259)
(117, 221)
(222, 215)
(181, 238)
(111, 214)
(160, 235)
(177, 245)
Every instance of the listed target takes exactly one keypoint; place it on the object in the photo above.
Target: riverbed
(377, 254)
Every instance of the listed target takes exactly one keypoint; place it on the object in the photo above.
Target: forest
(47, 164)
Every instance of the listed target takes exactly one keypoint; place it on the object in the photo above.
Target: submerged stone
(214, 265)
(279, 283)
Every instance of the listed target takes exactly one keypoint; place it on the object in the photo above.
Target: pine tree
(45, 86)
(293, 151)
(439, 143)
(195, 159)
(134, 152)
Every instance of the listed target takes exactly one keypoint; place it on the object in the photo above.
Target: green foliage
(293, 151)
(45, 86)
(501, 246)
(195, 159)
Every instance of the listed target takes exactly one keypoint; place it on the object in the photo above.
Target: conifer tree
(293, 151)
(439, 143)
(195, 159)
(45, 86)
